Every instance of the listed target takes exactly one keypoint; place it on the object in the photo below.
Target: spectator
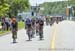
(7, 23)
(3, 24)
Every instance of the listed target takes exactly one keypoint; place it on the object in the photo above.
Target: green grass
(20, 25)
(0, 23)
(3, 32)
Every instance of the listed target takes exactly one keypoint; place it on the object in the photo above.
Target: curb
(7, 33)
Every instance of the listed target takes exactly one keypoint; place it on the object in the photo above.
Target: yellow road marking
(54, 38)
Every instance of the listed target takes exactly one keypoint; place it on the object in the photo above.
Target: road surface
(59, 37)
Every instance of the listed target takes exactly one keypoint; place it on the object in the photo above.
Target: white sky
(33, 2)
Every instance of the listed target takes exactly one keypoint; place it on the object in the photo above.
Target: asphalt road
(59, 37)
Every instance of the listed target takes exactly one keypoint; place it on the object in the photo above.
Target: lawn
(0, 23)
(20, 26)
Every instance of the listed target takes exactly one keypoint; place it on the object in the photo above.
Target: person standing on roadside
(3, 24)
(7, 23)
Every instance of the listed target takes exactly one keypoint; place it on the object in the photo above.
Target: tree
(54, 7)
(12, 7)
(72, 3)
(18, 5)
(4, 7)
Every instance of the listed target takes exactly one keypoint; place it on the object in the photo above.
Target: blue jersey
(28, 21)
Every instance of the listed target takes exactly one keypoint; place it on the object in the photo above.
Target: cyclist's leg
(14, 36)
(41, 34)
(29, 33)
(33, 32)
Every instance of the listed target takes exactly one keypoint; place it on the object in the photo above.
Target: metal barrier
(69, 18)
(73, 18)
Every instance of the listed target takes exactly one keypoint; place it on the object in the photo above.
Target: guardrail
(69, 18)
(73, 18)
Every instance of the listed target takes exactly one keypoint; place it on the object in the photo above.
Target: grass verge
(20, 26)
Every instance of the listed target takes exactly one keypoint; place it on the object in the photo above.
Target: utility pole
(36, 9)
(69, 10)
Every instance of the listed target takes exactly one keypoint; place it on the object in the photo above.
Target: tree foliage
(71, 2)
(54, 7)
(18, 5)
(12, 7)
(4, 7)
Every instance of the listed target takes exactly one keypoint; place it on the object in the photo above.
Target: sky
(33, 2)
